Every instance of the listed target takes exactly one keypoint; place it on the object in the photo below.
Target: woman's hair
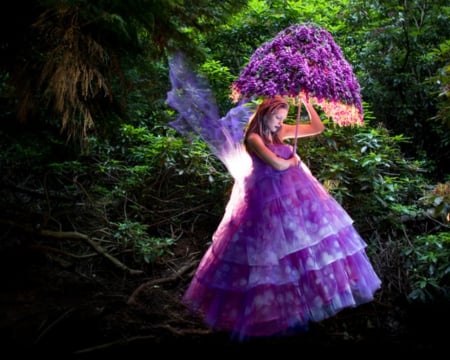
(257, 120)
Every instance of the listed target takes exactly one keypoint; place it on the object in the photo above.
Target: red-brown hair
(256, 123)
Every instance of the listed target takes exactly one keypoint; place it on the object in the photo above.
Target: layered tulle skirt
(285, 254)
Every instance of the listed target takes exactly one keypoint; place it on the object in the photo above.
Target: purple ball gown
(285, 252)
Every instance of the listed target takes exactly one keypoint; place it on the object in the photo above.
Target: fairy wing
(198, 115)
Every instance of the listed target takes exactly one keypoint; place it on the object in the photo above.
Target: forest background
(92, 175)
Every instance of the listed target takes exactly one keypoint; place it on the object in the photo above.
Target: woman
(266, 128)
(285, 253)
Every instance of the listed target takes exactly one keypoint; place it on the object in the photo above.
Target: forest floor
(50, 305)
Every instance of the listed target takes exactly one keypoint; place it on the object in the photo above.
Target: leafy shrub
(134, 235)
(437, 201)
(426, 261)
(160, 188)
(365, 170)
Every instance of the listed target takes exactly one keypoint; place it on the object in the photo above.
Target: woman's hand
(295, 160)
(303, 97)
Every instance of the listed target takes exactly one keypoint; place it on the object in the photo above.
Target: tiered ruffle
(285, 254)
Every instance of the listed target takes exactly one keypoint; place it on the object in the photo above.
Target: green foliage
(218, 75)
(437, 201)
(141, 186)
(77, 55)
(441, 79)
(18, 157)
(232, 44)
(164, 185)
(392, 54)
(139, 190)
(389, 197)
(132, 235)
(364, 168)
(426, 260)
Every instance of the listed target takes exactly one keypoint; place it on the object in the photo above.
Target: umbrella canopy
(304, 60)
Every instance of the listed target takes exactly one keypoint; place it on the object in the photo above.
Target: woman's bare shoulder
(254, 139)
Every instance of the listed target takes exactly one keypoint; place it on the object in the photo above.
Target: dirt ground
(54, 306)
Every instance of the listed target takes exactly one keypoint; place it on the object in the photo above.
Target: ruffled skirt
(285, 254)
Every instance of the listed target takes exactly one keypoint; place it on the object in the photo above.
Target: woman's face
(274, 121)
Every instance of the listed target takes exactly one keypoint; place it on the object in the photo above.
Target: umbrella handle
(299, 110)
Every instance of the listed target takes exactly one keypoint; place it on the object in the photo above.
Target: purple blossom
(304, 58)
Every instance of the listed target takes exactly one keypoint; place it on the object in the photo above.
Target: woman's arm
(314, 127)
(256, 145)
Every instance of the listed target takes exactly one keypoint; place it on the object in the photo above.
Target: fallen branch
(76, 235)
(149, 284)
(95, 246)
(53, 324)
(128, 341)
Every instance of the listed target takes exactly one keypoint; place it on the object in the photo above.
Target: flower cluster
(304, 58)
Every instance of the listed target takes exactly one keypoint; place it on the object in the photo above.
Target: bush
(426, 261)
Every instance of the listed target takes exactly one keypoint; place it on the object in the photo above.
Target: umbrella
(303, 61)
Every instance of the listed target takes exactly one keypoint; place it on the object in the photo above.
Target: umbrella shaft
(299, 110)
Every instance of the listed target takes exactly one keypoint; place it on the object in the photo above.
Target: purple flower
(304, 58)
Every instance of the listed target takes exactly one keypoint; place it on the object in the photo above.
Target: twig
(76, 235)
(129, 340)
(59, 251)
(149, 284)
(94, 244)
(53, 324)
